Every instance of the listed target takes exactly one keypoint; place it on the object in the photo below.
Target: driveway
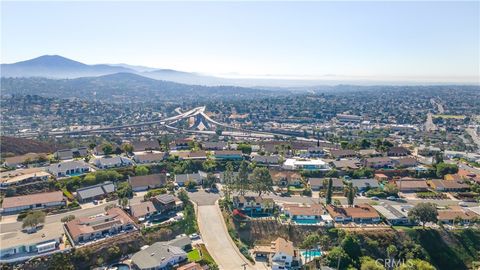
(217, 240)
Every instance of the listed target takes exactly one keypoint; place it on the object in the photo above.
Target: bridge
(202, 124)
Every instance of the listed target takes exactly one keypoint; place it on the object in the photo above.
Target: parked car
(463, 204)
(375, 198)
(194, 236)
(391, 198)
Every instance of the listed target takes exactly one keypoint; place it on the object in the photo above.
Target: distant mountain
(124, 87)
(55, 66)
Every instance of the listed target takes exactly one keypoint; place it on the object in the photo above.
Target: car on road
(391, 198)
(375, 198)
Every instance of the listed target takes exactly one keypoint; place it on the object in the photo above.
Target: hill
(123, 87)
(55, 66)
(19, 146)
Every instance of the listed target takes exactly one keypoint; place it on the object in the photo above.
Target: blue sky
(378, 40)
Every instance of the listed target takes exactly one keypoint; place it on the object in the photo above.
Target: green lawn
(193, 256)
(205, 254)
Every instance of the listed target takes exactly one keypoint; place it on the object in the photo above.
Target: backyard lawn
(194, 255)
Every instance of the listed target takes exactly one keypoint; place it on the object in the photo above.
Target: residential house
(198, 178)
(191, 266)
(190, 155)
(398, 151)
(317, 183)
(180, 144)
(304, 213)
(283, 254)
(165, 203)
(24, 159)
(379, 162)
(254, 203)
(286, 178)
(18, 245)
(369, 153)
(65, 154)
(305, 164)
(85, 229)
(346, 164)
(362, 213)
(228, 155)
(453, 177)
(11, 205)
(427, 151)
(22, 177)
(146, 145)
(95, 192)
(315, 152)
(143, 210)
(159, 256)
(448, 185)
(112, 162)
(457, 215)
(145, 182)
(68, 168)
(364, 184)
(411, 185)
(147, 158)
(380, 177)
(394, 214)
(406, 162)
(266, 160)
(342, 153)
(214, 145)
(181, 241)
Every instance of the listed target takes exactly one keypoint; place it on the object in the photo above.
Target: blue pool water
(311, 253)
(305, 221)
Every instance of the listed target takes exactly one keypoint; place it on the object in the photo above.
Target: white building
(305, 164)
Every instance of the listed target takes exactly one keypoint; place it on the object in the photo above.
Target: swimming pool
(312, 253)
(305, 221)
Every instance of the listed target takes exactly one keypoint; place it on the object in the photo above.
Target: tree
(445, 168)
(367, 263)
(391, 189)
(328, 196)
(311, 241)
(209, 165)
(242, 182)
(350, 193)
(190, 184)
(332, 173)
(351, 246)
(33, 219)
(107, 148)
(209, 181)
(219, 132)
(423, 213)
(261, 180)
(124, 190)
(338, 258)
(228, 181)
(123, 202)
(68, 218)
(416, 264)
(141, 170)
(127, 148)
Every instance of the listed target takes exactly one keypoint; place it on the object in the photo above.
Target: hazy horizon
(412, 42)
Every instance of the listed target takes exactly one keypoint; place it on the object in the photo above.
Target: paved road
(217, 240)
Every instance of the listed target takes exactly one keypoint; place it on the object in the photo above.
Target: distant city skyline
(381, 41)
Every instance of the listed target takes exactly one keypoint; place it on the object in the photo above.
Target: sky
(420, 41)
